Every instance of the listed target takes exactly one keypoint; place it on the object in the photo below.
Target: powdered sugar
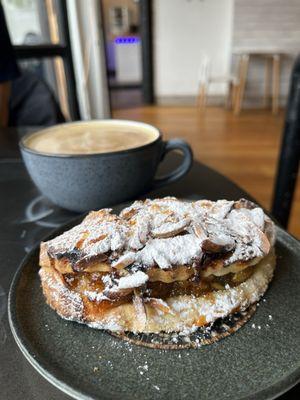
(184, 313)
(168, 232)
(179, 250)
(137, 279)
(223, 302)
(71, 303)
(95, 296)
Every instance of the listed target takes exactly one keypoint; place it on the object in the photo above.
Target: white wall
(184, 30)
(273, 25)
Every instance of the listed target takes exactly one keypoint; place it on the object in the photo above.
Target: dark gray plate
(260, 361)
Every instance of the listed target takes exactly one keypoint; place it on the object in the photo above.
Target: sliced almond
(140, 232)
(265, 244)
(115, 295)
(243, 203)
(97, 239)
(80, 242)
(199, 231)
(218, 244)
(160, 305)
(140, 311)
(129, 213)
(124, 261)
(105, 213)
(269, 230)
(170, 229)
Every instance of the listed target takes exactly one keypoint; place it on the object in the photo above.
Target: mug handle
(184, 167)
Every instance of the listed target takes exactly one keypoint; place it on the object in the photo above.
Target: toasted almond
(80, 242)
(140, 310)
(265, 244)
(199, 231)
(170, 229)
(215, 245)
(124, 261)
(160, 305)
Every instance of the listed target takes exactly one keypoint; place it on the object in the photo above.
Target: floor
(244, 148)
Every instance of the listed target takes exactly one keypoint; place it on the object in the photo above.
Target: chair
(205, 79)
(272, 65)
(32, 102)
(288, 164)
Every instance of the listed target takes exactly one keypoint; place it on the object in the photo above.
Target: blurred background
(215, 72)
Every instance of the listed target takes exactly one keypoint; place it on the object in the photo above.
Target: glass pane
(121, 20)
(50, 71)
(39, 21)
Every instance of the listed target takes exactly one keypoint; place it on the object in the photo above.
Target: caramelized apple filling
(91, 284)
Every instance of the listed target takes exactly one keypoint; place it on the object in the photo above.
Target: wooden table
(26, 217)
(272, 72)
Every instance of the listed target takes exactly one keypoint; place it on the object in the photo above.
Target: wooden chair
(288, 165)
(205, 79)
(272, 73)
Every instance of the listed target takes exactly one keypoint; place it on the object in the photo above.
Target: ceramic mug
(82, 182)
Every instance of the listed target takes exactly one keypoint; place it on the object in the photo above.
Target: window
(40, 35)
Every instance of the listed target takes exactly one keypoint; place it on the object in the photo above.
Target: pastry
(162, 265)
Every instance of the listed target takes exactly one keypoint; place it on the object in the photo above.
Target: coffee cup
(82, 166)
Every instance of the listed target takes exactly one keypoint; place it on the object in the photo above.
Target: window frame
(62, 50)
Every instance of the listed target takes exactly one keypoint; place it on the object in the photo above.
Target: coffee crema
(92, 137)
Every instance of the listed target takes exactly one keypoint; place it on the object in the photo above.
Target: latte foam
(92, 137)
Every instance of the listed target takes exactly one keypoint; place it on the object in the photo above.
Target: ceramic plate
(260, 361)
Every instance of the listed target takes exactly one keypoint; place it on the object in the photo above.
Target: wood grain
(244, 148)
